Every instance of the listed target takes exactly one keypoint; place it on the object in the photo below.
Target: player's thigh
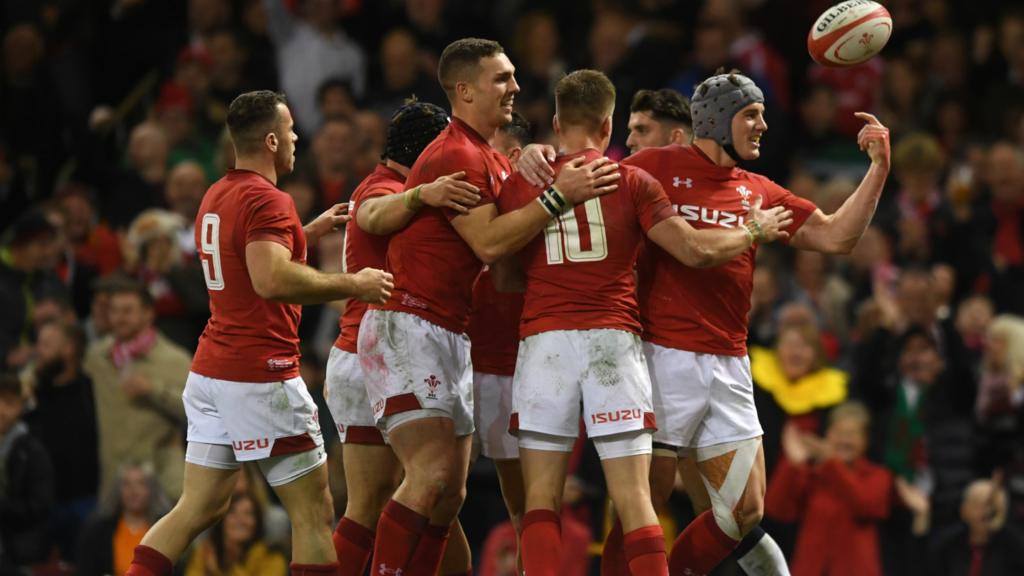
(307, 499)
(426, 447)
(207, 491)
(694, 485)
(735, 470)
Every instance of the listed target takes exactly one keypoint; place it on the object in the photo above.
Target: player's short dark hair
(519, 129)
(460, 61)
(251, 116)
(665, 105)
(121, 284)
(411, 129)
(584, 98)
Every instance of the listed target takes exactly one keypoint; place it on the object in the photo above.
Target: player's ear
(606, 127)
(678, 137)
(514, 154)
(554, 124)
(464, 92)
(271, 141)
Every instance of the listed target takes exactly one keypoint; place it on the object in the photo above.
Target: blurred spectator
(983, 544)
(1004, 103)
(765, 298)
(837, 496)
(371, 129)
(855, 88)
(235, 545)
(228, 58)
(27, 261)
(1005, 179)
(176, 113)
(1001, 390)
(205, 17)
(31, 121)
(972, 322)
(138, 378)
(539, 64)
(62, 400)
(276, 527)
(94, 245)
(26, 485)
(913, 213)
(403, 74)
(822, 149)
(334, 100)
(333, 151)
(311, 48)
(186, 186)
(794, 385)
(140, 184)
(827, 293)
(902, 108)
(135, 503)
(174, 280)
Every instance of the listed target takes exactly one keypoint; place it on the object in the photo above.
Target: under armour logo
(504, 175)
(745, 194)
(676, 182)
(385, 571)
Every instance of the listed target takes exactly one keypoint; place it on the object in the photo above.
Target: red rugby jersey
(434, 268)
(494, 327)
(579, 273)
(364, 250)
(248, 338)
(704, 310)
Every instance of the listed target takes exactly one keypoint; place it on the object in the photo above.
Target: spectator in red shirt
(836, 495)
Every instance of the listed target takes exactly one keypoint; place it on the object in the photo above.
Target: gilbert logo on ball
(849, 33)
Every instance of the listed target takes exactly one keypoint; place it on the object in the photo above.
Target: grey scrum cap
(714, 103)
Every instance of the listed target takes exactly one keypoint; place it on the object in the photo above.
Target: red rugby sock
(429, 551)
(542, 543)
(613, 557)
(398, 532)
(700, 547)
(645, 551)
(353, 543)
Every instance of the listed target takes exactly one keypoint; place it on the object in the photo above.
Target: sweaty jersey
(248, 338)
(704, 310)
(433, 266)
(364, 250)
(494, 327)
(579, 272)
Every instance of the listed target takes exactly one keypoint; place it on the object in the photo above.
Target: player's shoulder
(382, 181)
(651, 157)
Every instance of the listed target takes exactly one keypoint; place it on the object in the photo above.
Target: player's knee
(748, 514)
(451, 501)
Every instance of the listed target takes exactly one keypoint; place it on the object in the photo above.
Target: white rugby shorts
(492, 408)
(345, 392)
(415, 369)
(258, 420)
(603, 369)
(701, 399)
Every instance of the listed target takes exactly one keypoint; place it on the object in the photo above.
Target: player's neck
(482, 126)
(714, 151)
(574, 141)
(261, 166)
(397, 167)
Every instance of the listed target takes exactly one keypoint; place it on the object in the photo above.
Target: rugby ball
(849, 33)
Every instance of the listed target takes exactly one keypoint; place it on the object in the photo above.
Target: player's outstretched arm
(492, 237)
(839, 232)
(275, 277)
(385, 215)
(715, 246)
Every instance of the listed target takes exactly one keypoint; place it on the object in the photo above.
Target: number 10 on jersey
(209, 251)
(565, 237)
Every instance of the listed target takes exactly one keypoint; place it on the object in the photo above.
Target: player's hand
(331, 219)
(373, 286)
(451, 191)
(773, 221)
(580, 182)
(535, 164)
(874, 139)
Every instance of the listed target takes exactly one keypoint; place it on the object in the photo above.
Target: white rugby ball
(849, 33)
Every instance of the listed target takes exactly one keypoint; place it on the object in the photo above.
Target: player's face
(646, 132)
(495, 89)
(284, 158)
(748, 126)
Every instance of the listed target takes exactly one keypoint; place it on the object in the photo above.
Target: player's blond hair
(585, 98)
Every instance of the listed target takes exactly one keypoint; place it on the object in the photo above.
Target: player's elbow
(698, 256)
(266, 288)
(489, 254)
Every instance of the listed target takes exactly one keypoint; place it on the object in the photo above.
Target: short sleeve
(649, 199)
(452, 158)
(516, 192)
(272, 217)
(778, 196)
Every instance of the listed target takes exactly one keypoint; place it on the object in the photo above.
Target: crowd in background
(112, 128)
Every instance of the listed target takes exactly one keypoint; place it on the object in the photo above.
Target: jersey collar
(468, 130)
